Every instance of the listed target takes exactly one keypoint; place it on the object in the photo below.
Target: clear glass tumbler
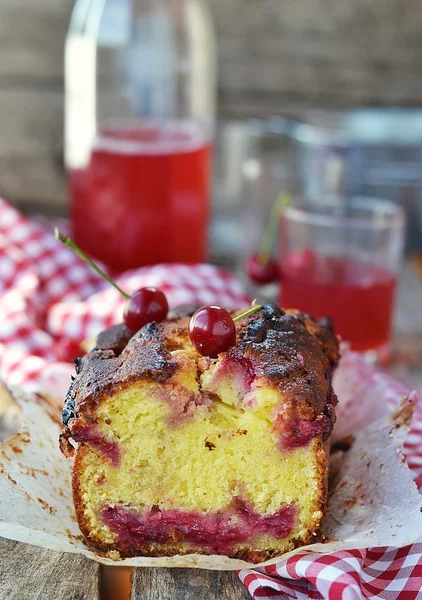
(340, 258)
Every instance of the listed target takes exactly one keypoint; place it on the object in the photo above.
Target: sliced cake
(178, 453)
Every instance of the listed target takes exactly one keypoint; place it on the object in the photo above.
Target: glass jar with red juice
(140, 82)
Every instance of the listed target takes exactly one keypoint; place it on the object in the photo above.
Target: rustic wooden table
(30, 573)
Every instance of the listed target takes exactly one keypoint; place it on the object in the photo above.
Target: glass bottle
(139, 123)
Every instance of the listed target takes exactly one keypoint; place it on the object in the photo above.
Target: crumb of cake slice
(178, 453)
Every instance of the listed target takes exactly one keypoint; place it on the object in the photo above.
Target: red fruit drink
(143, 197)
(357, 295)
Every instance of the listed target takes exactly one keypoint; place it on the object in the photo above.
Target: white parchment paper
(373, 500)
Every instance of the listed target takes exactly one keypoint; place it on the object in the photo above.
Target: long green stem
(68, 242)
(247, 312)
(264, 253)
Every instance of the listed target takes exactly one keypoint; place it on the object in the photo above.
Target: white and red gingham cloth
(50, 301)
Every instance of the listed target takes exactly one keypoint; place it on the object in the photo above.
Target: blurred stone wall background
(275, 56)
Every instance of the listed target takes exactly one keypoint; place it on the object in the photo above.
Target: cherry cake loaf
(176, 453)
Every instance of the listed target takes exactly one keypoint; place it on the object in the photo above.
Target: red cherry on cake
(212, 330)
(262, 272)
(146, 305)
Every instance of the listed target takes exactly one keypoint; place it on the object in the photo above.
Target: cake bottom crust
(249, 555)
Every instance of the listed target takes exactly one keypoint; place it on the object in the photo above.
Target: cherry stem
(68, 242)
(267, 243)
(248, 312)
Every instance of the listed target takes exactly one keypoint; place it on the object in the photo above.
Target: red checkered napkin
(378, 573)
(50, 301)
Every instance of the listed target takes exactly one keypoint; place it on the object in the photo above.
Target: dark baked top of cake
(287, 349)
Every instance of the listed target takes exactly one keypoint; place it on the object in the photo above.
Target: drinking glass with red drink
(341, 260)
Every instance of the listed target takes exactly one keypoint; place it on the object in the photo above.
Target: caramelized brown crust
(294, 353)
(115, 338)
(291, 350)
